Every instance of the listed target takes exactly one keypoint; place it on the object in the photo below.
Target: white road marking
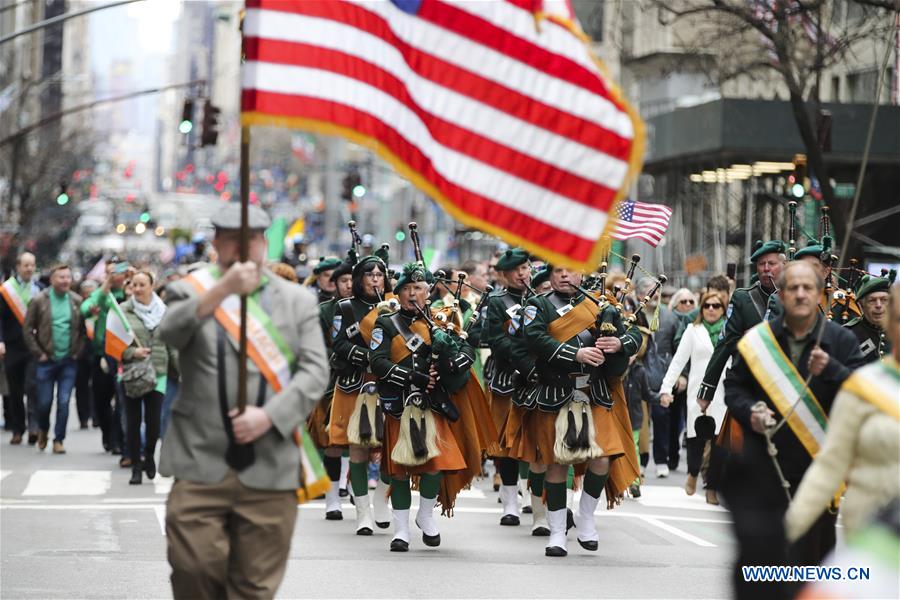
(68, 483)
(161, 518)
(3, 474)
(162, 485)
(676, 532)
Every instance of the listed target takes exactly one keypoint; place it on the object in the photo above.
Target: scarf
(150, 314)
(714, 329)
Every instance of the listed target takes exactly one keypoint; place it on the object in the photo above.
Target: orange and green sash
(573, 322)
(879, 385)
(17, 298)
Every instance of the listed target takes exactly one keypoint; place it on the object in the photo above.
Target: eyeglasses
(686, 301)
(710, 305)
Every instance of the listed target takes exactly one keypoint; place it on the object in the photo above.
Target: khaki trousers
(226, 540)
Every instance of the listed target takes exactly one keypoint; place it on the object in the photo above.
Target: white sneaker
(662, 471)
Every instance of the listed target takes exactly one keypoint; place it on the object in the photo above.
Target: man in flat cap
(231, 512)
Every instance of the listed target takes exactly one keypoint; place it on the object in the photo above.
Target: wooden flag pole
(245, 255)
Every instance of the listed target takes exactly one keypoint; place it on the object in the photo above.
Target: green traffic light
(185, 127)
(62, 199)
(797, 190)
(359, 191)
(145, 217)
(400, 236)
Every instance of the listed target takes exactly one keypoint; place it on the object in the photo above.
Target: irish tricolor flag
(118, 332)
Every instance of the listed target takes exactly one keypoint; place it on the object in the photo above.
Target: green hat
(541, 276)
(326, 263)
(760, 249)
(869, 284)
(813, 248)
(511, 259)
(412, 273)
(380, 256)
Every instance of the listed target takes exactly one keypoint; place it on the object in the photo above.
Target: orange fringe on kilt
(501, 405)
(342, 405)
(461, 444)
(316, 423)
(612, 432)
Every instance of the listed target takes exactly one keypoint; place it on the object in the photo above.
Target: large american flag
(495, 109)
(639, 220)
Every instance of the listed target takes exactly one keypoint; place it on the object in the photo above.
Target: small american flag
(645, 221)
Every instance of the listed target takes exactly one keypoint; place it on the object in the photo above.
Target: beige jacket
(862, 446)
(195, 442)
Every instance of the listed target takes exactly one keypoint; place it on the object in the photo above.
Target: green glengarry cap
(511, 259)
(229, 217)
(380, 256)
(761, 249)
(541, 276)
(326, 263)
(869, 284)
(813, 248)
(413, 272)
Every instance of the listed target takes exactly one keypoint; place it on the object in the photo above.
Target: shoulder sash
(12, 293)
(879, 385)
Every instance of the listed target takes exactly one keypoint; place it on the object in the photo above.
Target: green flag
(275, 234)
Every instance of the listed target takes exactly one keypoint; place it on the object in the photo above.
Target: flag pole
(245, 239)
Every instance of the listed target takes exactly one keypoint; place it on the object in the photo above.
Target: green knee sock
(570, 479)
(523, 469)
(359, 478)
(385, 478)
(537, 483)
(593, 483)
(556, 496)
(401, 499)
(429, 485)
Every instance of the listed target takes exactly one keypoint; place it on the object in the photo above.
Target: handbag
(139, 376)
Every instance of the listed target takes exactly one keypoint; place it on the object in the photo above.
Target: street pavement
(72, 527)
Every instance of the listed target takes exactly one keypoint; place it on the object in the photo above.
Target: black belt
(237, 456)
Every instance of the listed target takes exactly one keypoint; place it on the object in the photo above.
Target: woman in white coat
(697, 346)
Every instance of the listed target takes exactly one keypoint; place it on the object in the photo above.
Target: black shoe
(126, 462)
(84, 425)
(511, 520)
(555, 551)
(570, 521)
(398, 545)
(334, 515)
(364, 531)
(150, 467)
(135, 476)
(32, 439)
(526, 510)
(635, 491)
(430, 540)
(592, 546)
(540, 532)
(343, 493)
(382, 524)
(116, 451)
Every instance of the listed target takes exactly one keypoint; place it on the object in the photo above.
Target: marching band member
(872, 296)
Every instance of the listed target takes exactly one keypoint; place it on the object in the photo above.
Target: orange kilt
(316, 423)
(450, 458)
(342, 405)
(501, 409)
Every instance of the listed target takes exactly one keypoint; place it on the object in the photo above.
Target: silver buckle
(415, 342)
(352, 330)
(513, 310)
(564, 309)
(582, 381)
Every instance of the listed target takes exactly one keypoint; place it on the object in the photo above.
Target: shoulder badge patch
(377, 337)
(336, 326)
(529, 313)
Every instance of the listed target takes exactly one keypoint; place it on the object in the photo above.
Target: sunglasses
(710, 305)
(686, 301)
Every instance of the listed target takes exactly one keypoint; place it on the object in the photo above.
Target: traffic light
(63, 197)
(797, 179)
(352, 186)
(208, 134)
(187, 117)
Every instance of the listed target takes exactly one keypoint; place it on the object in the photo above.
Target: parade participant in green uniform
(813, 253)
(317, 423)
(872, 296)
(748, 306)
(351, 332)
(501, 322)
(320, 281)
(231, 512)
(436, 418)
(775, 361)
(576, 409)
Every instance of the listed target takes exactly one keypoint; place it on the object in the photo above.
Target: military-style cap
(541, 276)
(869, 284)
(761, 249)
(511, 259)
(413, 272)
(326, 263)
(813, 248)
(380, 256)
(229, 217)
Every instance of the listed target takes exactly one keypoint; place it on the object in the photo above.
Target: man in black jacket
(764, 385)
